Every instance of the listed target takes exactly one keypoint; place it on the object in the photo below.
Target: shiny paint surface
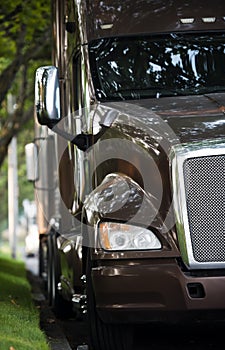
(160, 292)
(193, 118)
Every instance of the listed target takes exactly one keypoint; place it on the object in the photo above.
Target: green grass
(19, 318)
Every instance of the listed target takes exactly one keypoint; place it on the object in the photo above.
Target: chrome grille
(204, 179)
(198, 184)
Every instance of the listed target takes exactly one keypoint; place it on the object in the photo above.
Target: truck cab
(130, 124)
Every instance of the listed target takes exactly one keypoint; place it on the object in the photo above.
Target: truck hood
(192, 118)
(179, 119)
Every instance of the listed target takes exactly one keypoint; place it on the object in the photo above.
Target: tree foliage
(25, 33)
(25, 44)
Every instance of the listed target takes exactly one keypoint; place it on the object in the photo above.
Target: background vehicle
(130, 155)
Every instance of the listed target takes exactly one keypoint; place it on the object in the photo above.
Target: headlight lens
(117, 236)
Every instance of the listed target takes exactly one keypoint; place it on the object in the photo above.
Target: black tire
(104, 336)
(43, 258)
(61, 307)
(49, 269)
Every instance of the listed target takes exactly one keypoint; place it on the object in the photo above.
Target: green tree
(25, 40)
(25, 44)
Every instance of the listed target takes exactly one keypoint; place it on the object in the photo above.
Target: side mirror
(31, 152)
(47, 97)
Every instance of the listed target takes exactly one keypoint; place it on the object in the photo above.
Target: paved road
(72, 334)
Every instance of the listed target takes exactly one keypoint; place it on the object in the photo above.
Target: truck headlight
(117, 236)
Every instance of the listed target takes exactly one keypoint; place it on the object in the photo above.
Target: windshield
(155, 66)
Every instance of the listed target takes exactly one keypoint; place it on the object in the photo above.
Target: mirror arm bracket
(85, 141)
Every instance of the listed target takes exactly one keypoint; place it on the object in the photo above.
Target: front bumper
(156, 291)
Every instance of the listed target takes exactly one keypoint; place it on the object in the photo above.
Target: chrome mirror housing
(47, 97)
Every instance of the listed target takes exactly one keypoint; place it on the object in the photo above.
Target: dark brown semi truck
(129, 163)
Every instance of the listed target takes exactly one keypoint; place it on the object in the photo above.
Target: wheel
(43, 258)
(60, 306)
(49, 269)
(104, 336)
